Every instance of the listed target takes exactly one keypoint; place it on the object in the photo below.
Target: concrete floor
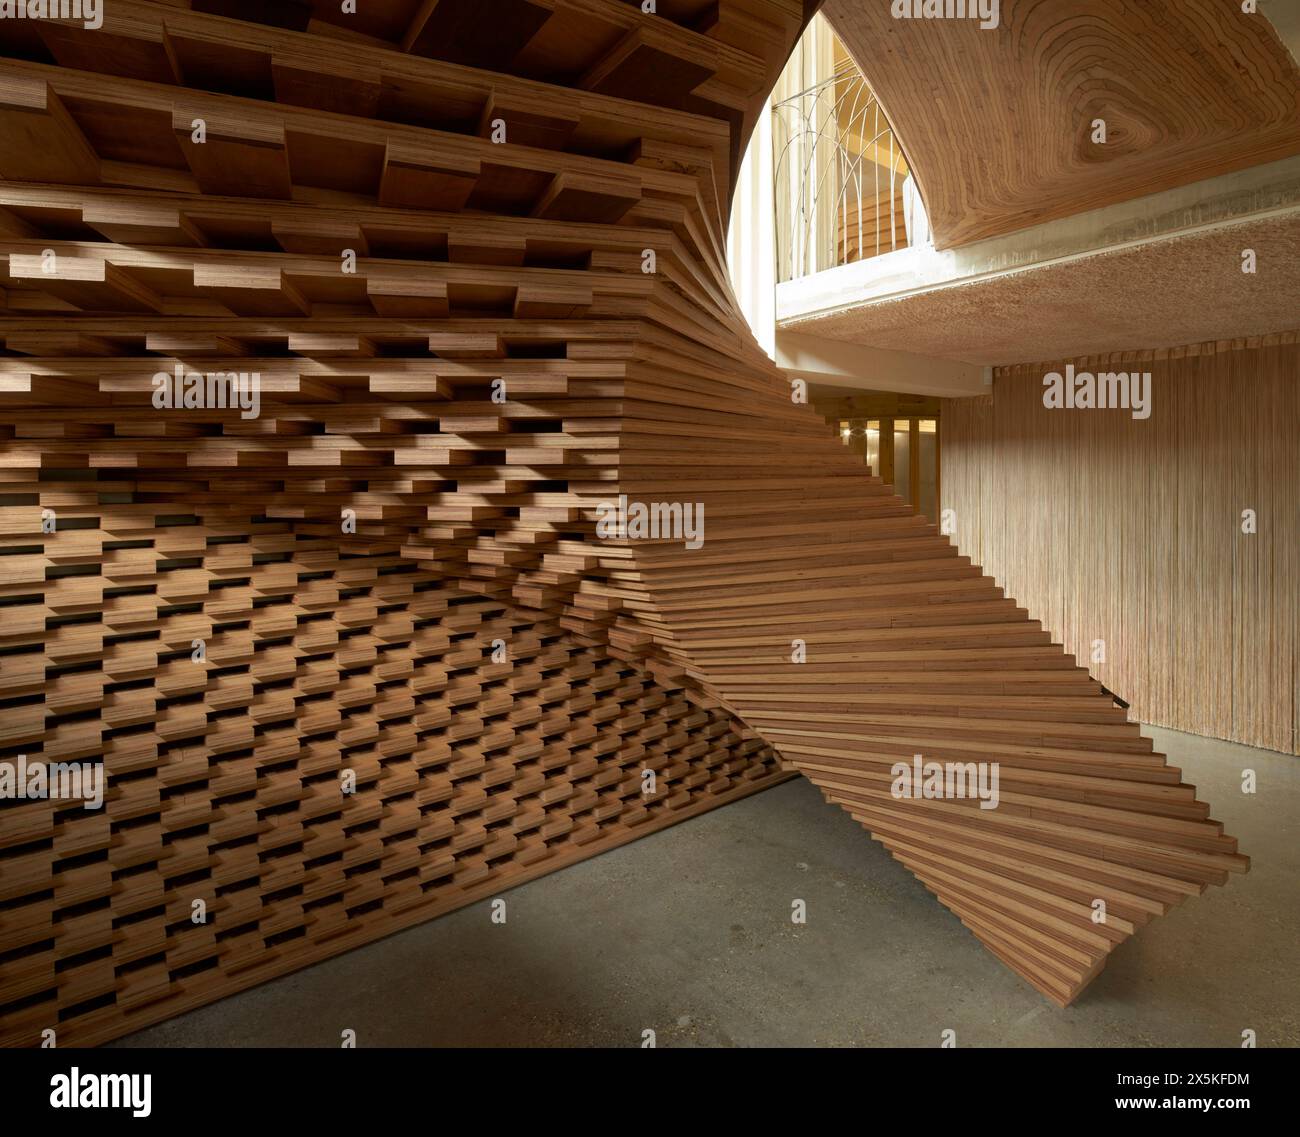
(688, 932)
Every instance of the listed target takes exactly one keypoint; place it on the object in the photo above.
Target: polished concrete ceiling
(997, 123)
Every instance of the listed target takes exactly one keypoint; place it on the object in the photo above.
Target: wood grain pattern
(910, 650)
(136, 250)
(997, 123)
(495, 366)
(1134, 536)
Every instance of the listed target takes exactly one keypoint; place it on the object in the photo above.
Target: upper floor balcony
(842, 190)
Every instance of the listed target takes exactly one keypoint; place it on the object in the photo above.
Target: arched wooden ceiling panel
(998, 123)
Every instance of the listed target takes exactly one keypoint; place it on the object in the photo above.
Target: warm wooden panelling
(1133, 531)
(327, 650)
(467, 348)
(225, 779)
(997, 123)
(839, 624)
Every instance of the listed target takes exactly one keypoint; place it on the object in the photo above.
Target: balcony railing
(841, 183)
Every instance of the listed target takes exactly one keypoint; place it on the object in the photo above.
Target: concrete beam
(1257, 193)
(852, 366)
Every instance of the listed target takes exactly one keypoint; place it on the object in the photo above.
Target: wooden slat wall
(911, 649)
(471, 775)
(1132, 533)
(330, 650)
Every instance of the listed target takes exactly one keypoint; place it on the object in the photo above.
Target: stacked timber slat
(852, 636)
(350, 661)
(364, 654)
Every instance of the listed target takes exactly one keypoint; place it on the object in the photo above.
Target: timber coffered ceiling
(997, 124)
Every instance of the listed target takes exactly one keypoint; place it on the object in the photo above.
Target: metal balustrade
(841, 183)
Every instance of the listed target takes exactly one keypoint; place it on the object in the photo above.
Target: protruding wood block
(326, 345)
(466, 345)
(186, 344)
(136, 223)
(89, 284)
(485, 249)
(239, 157)
(408, 298)
(456, 30)
(527, 124)
(39, 140)
(538, 301)
(251, 290)
(638, 68)
(588, 197)
(304, 82)
(319, 238)
(71, 342)
(415, 179)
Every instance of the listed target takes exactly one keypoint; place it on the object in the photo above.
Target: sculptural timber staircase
(130, 248)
